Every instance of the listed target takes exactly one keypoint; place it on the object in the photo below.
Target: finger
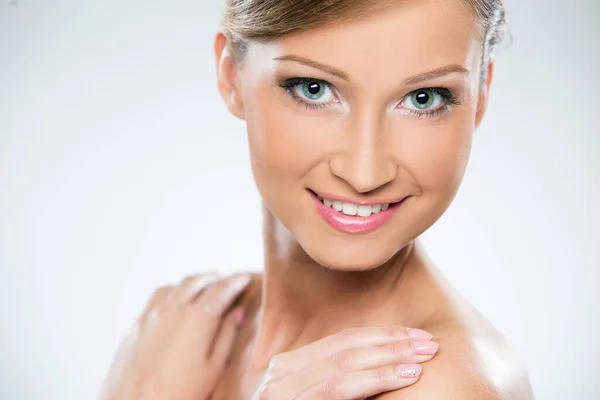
(225, 339)
(192, 286)
(360, 359)
(213, 302)
(158, 297)
(375, 356)
(217, 298)
(361, 384)
(356, 337)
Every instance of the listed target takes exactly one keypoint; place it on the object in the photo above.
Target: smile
(354, 209)
(352, 217)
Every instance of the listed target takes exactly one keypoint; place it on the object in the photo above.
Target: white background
(121, 170)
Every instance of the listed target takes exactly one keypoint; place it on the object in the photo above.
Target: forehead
(403, 38)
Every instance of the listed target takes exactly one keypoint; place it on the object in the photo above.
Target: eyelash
(447, 95)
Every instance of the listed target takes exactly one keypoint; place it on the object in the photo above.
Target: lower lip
(354, 224)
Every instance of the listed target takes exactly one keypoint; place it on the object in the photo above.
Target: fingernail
(419, 334)
(408, 370)
(240, 282)
(201, 283)
(239, 315)
(424, 347)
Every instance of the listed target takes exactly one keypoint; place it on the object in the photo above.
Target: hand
(179, 346)
(352, 364)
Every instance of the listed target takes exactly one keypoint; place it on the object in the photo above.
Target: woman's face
(360, 132)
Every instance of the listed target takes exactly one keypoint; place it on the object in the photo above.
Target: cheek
(284, 142)
(436, 155)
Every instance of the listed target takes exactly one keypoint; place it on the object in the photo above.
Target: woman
(360, 116)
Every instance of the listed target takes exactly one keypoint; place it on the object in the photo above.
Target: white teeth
(354, 209)
(337, 205)
(365, 211)
(349, 208)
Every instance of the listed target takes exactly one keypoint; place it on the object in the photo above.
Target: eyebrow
(330, 70)
(455, 68)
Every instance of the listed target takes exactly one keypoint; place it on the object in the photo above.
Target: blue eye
(315, 91)
(423, 100)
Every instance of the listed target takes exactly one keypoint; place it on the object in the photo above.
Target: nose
(365, 161)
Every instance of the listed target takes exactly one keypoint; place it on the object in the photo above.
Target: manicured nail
(408, 370)
(419, 334)
(424, 347)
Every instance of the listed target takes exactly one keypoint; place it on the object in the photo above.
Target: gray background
(121, 170)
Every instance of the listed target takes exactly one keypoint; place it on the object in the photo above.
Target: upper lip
(369, 202)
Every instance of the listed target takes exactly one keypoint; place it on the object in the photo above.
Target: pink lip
(354, 224)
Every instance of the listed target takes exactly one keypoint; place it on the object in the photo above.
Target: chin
(351, 256)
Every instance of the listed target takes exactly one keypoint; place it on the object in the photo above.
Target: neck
(303, 301)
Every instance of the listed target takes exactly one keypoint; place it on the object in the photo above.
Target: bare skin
(182, 343)
(474, 361)
(364, 142)
(338, 314)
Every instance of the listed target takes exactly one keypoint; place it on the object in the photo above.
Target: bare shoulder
(475, 362)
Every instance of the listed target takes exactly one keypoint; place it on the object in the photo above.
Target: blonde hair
(266, 20)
